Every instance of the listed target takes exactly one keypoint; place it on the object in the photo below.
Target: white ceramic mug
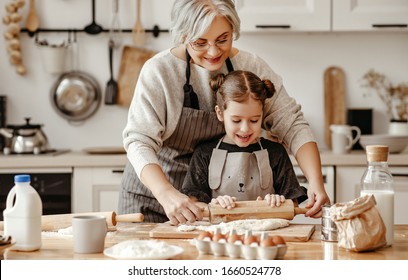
(89, 233)
(342, 137)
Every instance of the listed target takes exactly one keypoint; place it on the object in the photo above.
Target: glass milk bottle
(22, 216)
(377, 180)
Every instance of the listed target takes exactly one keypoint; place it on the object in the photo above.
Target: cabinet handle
(399, 175)
(284, 26)
(390, 25)
(118, 170)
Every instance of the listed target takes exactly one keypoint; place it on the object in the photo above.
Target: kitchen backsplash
(300, 58)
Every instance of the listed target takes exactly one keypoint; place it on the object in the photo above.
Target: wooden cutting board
(334, 99)
(293, 233)
(131, 63)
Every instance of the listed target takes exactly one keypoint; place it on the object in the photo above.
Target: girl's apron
(194, 126)
(240, 174)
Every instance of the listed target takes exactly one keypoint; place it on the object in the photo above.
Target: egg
(277, 239)
(218, 237)
(232, 238)
(251, 239)
(205, 235)
(267, 242)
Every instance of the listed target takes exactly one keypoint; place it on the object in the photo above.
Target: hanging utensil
(111, 91)
(93, 28)
(76, 95)
(115, 31)
(334, 99)
(138, 32)
(32, 21)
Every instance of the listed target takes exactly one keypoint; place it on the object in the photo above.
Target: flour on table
(240, 225)
(141, 249)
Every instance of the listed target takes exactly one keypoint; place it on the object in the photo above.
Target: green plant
(395, 98)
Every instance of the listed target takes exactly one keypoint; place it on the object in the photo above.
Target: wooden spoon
(32, 21)
(138, 32)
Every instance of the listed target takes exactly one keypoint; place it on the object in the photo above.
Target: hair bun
(217, 81)
(269, 88)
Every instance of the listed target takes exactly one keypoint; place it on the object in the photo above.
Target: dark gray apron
(240, 174)
(194, 126)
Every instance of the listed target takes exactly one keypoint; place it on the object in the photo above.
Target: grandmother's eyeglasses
(202, 45)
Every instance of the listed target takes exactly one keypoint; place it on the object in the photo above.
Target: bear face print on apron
(194, 126)
(240, 174)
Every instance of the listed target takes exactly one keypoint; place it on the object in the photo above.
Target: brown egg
(234, 238)
(205, 234)
(251, 239)
(218, 237)
(277, 239)
(267, 242)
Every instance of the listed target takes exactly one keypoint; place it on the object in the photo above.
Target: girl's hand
(225, 201)
(274, 200)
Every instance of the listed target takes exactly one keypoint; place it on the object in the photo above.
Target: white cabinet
(363, 15)
(292, 15)
(96, 189)
(348, 188)
(322, 15)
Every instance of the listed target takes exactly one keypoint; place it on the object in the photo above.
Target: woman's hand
(308, 158)
(274, 200)
(225, 201)
(316, 199)
(179, 208)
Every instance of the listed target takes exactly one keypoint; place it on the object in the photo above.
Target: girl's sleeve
(285, 180)
(196, 181)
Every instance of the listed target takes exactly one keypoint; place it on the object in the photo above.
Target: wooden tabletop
(57, 246)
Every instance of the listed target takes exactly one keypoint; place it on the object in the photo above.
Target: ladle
(93, 28)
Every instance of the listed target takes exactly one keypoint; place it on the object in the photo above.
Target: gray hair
(190, 19)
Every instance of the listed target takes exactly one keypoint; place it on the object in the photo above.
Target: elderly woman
(173, 110)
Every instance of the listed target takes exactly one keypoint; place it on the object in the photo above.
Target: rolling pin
(56, 222)
(254, 209)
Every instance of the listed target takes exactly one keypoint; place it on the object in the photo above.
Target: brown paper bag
(359, 224)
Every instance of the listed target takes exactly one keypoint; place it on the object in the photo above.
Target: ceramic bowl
(396, 143)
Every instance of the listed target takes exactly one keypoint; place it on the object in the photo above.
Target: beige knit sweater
(158, 100)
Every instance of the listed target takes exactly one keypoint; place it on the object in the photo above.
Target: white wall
(300, 58)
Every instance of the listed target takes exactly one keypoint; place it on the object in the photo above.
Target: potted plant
(395, 99)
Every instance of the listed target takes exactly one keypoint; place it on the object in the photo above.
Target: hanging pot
(76, 95)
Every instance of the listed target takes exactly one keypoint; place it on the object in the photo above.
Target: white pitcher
(342, 137)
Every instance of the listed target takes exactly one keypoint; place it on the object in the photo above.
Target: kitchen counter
(61, 247)
(82, 159)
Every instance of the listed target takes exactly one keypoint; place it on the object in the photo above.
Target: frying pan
(76, 95)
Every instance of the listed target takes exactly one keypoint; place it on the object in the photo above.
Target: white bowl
(396, 143)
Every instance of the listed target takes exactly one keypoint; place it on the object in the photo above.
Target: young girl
(241, 165)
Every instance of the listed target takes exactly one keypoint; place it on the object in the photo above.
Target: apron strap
(265, 169)
(190, 97)
(216, 167)
(229, 65)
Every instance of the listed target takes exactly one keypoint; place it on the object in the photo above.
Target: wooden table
(61, 247)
